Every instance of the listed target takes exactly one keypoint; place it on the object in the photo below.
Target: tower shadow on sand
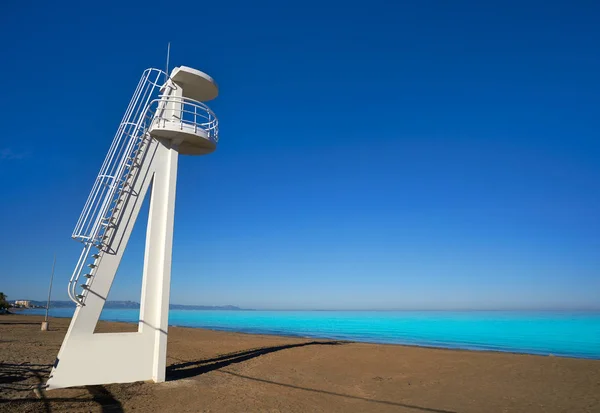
(188, 369)
(195, 368)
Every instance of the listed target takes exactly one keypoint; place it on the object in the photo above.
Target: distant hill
(203, 307)
(133, 305)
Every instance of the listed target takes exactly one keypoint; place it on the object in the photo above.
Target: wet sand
(211, 371)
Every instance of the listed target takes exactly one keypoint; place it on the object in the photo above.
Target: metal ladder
(112, 188)
(108, 223)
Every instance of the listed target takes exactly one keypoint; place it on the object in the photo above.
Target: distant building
(23, 303)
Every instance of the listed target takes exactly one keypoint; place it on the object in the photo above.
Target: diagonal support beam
(86, 358)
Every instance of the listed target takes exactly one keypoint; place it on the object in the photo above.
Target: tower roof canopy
(196, 85)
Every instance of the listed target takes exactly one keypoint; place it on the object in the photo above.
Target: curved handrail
(191, 112)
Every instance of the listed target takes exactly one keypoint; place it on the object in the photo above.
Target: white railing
(185, 113)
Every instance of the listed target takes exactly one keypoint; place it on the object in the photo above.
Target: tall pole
(168, 56)
(50, 289)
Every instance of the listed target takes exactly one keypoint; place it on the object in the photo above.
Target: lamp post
(45, 322)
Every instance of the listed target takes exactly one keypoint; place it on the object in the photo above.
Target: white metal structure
(165, 118)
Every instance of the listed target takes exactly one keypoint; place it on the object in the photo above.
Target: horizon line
(465, 309)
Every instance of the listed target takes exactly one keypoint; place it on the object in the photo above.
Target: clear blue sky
(424, 154)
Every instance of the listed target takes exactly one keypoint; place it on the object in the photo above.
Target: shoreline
(210, 370)
(318, 337)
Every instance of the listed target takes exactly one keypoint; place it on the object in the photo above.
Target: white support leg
(154, 311)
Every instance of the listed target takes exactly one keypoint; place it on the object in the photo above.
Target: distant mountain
(121, 304)
(134, 305)
(203, 307)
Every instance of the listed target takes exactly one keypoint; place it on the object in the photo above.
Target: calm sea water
(572, 334)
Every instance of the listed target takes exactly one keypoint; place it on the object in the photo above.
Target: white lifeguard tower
(165, 118)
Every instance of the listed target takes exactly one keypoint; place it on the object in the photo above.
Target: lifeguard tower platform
(166, 117)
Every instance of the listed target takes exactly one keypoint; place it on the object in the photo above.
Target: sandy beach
(211, 371)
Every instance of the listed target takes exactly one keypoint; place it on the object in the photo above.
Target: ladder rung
(84, 286)
(92, 265)
(96, 256)
(79, 296)
(88, 275)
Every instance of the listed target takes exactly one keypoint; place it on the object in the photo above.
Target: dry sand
(210, 371)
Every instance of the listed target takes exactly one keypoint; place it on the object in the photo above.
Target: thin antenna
(50, 289)
(168, 55)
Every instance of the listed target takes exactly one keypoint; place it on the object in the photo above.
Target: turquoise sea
(571, 334)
